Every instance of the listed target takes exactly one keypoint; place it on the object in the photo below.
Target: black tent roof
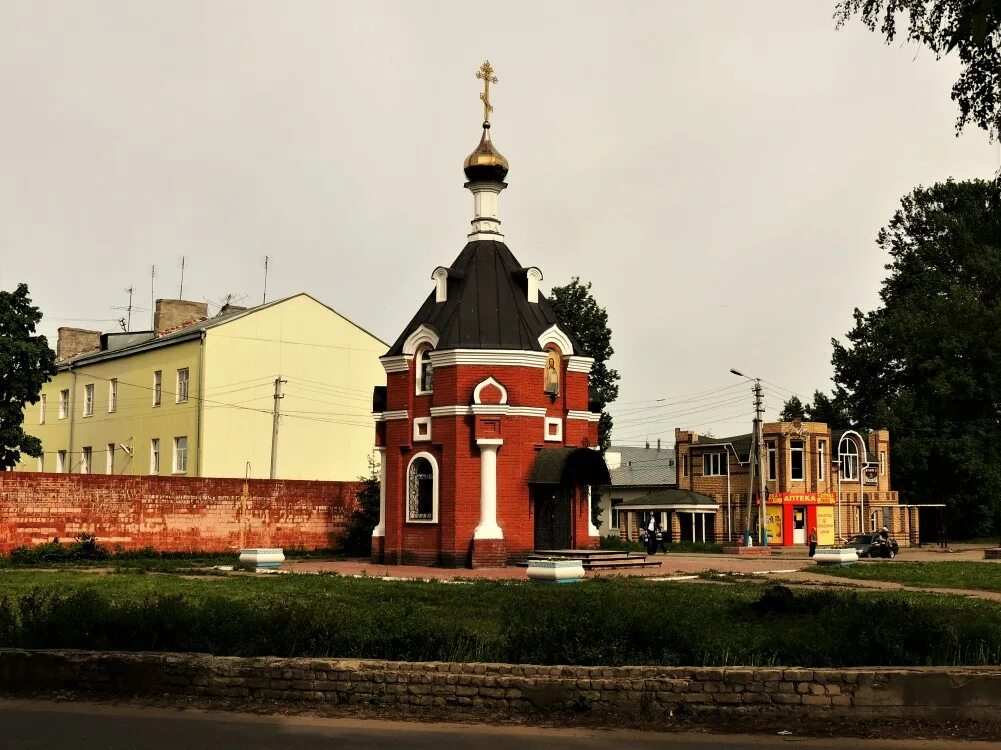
(569, 465)
(487, 305)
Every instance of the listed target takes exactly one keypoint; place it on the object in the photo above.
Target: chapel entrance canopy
(572, 467)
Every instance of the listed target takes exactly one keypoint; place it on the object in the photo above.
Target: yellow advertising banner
(773, 523)
(825, 525)
(803, 498)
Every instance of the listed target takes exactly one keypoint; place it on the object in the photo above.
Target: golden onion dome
(486, 163)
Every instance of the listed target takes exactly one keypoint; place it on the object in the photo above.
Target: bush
(84, 547)
(639, 622)
(357, 537)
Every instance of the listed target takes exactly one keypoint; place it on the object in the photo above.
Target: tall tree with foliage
(927, 363)
(26, 364)
(792, 410)
(971, 28)
(827, 409)
(357, 536)
(581, 315)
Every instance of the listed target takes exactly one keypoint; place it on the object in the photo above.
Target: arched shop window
(849, 459)
(425, 371)
(422, 489)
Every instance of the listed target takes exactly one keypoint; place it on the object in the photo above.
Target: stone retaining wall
(943, 693)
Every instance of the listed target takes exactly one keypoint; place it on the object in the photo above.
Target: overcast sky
(718, 170)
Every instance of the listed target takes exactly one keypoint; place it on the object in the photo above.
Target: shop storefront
(790, 516)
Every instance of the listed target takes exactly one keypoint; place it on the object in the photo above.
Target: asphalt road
(42, 725)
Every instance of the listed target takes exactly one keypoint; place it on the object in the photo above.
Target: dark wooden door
(553, 519)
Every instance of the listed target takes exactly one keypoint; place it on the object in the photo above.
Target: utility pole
(759, 411)
(275, 418)
(757, 462)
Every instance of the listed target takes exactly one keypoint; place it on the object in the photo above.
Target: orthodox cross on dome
(486, 74)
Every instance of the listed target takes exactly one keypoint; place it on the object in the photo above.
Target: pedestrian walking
(651, 534)
(813, 541)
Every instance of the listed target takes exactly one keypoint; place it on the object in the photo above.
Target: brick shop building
(836, 481)
(484, 425)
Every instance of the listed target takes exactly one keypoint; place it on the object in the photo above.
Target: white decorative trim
(489, 441)
(504, 410)
(422, 429)
(440, 277)
(385, 416)
(580, 364)
(496, 357)
(380, 529)
(478, 390)
(398, 363)
(553, 335)
(587, 416)
(434, 489)
(534, 276)
(423, 335)
(553, 436)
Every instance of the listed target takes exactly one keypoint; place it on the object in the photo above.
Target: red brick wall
(172, 513)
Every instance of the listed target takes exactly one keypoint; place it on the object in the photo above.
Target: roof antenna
(265, 280)
(180, 292)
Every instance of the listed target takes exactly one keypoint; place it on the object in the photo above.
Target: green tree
(830, 410)
(970, 27)
(927, 363)
(792, 410)
(581, 316)
(356, 538)
(26, 364)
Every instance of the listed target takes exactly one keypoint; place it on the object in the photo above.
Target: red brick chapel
(486, 432)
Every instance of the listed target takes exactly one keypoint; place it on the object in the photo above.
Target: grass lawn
(946, 574)
(603, 621)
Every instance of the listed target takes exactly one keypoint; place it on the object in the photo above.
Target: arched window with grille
(422, 489)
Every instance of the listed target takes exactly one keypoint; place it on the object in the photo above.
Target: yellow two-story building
(196, 395)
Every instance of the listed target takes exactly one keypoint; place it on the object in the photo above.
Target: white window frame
(41, 464)
(154, 456)
(434, 489)
(549, 434)
(86, 459)
(181, 392)
(821, 450)
(801, 450)
(113, 395)
(708, 461)
(882, 463)
(772, 456)
(422, 429)
(420, 365)
(88, 400)
(64, 403)
(157, 387)
(41, 409)
(874, 520)
(109, 459)
(61, 462)
(613, 512)
(847, 459)
(178, 454)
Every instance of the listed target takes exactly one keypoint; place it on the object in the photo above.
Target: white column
(380, 530)
(593, 530)
(488, 528)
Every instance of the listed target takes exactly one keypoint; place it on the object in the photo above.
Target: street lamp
(757, 440)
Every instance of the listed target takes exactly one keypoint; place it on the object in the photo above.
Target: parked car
(872, 545)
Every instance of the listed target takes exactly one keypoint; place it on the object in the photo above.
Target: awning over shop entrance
(672, 498)
(569, 466)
